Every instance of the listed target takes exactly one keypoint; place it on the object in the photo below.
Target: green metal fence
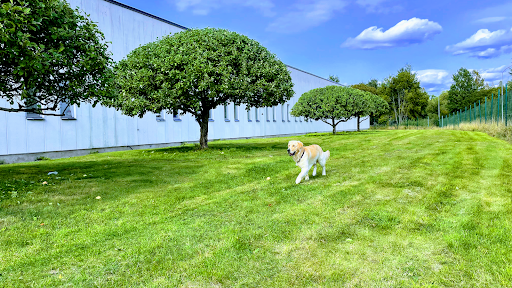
(494, 110)
(491, 111)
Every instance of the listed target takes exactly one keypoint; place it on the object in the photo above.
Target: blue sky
(358, 40)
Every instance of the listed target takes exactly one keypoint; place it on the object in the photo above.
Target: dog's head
(294, 147)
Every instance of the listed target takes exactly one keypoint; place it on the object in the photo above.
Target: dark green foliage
(463, 91)
(334, 78)
(49, 54)
(434, 108)
(405, 96)
(373, 83)
(196, 70)
(372, 88)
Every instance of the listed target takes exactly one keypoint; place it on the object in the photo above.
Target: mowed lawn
(397, 208)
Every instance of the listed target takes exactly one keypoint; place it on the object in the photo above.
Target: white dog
(306, 157)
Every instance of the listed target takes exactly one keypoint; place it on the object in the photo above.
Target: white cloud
(437, 80)
(306, 15)
(434, 80)
(493, 75)
(484, 44)
(405, 33)
(491, 19)
(433, 76)
(204, 7)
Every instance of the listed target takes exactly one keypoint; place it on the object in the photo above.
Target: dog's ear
(299, 144)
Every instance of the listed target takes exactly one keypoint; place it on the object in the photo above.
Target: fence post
(498, 114)
(506, 106)
(480, 110)
(492, 105)
(485, 111)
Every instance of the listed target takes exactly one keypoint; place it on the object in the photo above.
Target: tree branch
(341, 121)
(37, 111)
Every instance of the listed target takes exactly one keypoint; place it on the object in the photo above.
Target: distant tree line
(408, 100)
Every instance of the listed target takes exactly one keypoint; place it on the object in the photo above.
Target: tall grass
(493, 129)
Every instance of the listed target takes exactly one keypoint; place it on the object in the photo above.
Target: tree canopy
(336, 104)
(365, 87)
(372, 88)
(404, 94)
(334, 78)
(464, 90)
(437, 105)
(50, 54)
(196, 70)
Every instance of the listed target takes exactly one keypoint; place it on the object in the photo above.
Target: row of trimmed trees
(51, 54)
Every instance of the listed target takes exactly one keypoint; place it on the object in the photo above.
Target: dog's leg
(323, 159)
(323, 167)
(314, 169)
(303, 172)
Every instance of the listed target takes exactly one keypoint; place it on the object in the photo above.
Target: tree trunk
(333, 127)
(358, 123)
(203, 125)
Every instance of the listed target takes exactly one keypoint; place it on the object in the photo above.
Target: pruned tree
(368, 104)
(196, 70)
(334, 104)
(51, 54)
(371, 88)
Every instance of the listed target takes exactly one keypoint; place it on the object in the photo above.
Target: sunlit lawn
(397, 208)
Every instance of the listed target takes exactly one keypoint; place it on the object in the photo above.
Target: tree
(373, 90)
(196, 70)
(463, 91)
(365, 87)
(50, 54)
(373, 83)
(368, 104)
(334, 104)
(437, 104)
(334, 78)
(405, 95)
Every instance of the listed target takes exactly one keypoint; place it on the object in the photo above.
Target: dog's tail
(323, 158)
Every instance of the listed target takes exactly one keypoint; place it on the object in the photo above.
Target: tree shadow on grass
(16, 181)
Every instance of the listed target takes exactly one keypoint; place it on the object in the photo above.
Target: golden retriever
(306, 157)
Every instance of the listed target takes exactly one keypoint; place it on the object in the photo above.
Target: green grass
(397, 208)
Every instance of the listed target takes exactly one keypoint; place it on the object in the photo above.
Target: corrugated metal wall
(102, 127)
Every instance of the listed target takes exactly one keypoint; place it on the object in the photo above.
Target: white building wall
(102, 127)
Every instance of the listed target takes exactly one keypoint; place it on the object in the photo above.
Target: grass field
(397, 208)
